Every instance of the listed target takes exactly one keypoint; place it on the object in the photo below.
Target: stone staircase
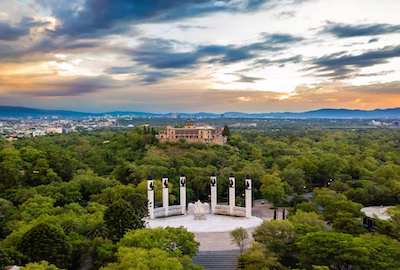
(217, 260)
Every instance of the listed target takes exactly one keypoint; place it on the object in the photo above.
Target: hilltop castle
(193, 134)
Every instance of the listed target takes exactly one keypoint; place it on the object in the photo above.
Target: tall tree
(344, 251)
(5, 259)
(273, 188)
(239, 237)
(46, 242)
(10, 168)
(257, 258)
(276, 235)
(121, 217)
(7, 210)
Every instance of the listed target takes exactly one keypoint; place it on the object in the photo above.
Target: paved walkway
(218, 241)
(217, 252)
(265, 210)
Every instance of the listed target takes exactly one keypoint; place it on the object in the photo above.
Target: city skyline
(212, 56)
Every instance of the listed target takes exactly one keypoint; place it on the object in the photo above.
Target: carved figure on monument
(248, 184)
(213, 182)
(183, 182)
(231, 183)
(151, 186)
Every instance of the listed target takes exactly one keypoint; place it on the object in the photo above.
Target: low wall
(239, 211)
(225, 210)
(222, 210)
(173, 210)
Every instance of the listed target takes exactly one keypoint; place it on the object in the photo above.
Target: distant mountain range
(23, 112)
(324, 113)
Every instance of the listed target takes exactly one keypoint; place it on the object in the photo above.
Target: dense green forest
(77, 201)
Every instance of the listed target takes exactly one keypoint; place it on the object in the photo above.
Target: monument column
(182, 193)
(150, 197)
(231, 194)
(248, 199)
(213, 184)
(165, 195)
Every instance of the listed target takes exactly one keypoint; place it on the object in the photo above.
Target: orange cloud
(103, 93)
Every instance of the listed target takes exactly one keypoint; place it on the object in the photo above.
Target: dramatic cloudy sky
(200, 55)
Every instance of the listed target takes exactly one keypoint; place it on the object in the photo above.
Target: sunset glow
(241, 55)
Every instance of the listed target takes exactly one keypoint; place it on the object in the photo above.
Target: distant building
(193, 134)
(54, 130)
(38, 132)
(376, 123)
(390, 124)
(243, 125)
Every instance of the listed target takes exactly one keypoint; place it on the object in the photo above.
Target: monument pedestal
(231, 195)
(248, 197)
(165, 195)
(182, 194)
(213, 184)
(150, 198)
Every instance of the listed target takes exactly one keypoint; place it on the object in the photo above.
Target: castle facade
(193, 134)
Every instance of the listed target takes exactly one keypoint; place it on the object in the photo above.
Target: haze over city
(214, 56)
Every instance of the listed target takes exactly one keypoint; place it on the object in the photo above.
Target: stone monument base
(212, 223)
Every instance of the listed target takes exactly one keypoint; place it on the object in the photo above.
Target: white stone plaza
(212, 223)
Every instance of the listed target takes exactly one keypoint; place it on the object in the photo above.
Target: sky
(200, 55)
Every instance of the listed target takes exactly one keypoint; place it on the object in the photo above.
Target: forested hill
(23, 112)
(323, 113)
(77, 200)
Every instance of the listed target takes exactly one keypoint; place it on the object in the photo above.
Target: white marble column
(182, 193)
(231, 194)
(165, 195)
(213, 185)
(248, 199)
(150, 198)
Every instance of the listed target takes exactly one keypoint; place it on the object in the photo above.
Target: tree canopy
(84, 195)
